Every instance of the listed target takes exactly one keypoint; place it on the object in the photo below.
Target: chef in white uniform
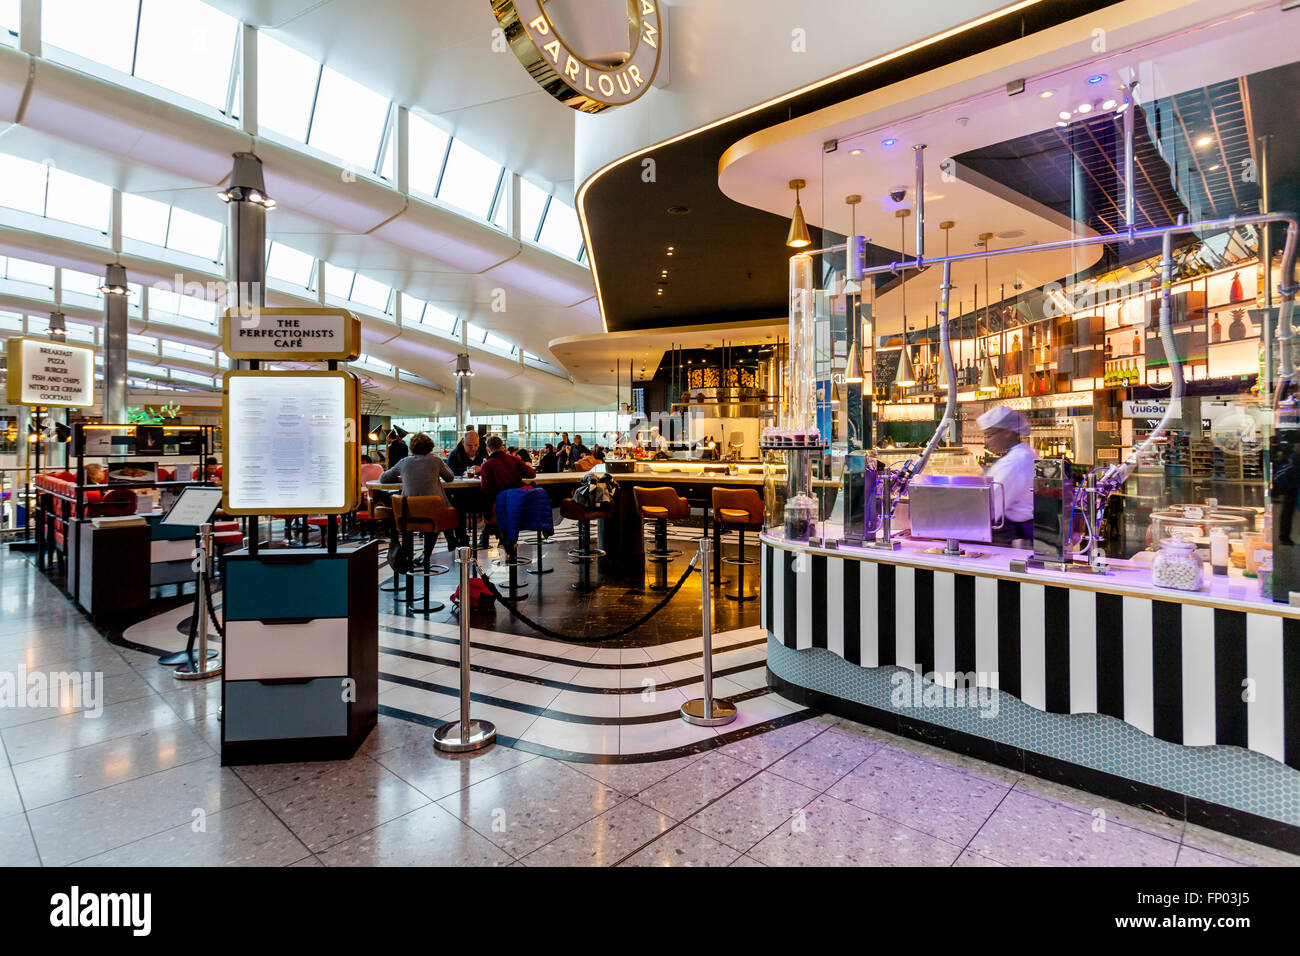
(1004, 431)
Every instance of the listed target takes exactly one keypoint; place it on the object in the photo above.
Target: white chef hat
(1000, 416)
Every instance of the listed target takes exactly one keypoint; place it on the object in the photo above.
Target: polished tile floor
(141, 783)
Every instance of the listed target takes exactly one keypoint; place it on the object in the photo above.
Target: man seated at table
(549, 461)
(577, 451)
(468, 453)
(500, 471)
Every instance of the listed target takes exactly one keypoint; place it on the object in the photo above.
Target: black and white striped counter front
(1201, 669)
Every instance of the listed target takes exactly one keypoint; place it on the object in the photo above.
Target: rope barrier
(543, 629)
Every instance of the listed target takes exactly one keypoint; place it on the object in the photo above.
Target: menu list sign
(303, 334)
(50, 373)
(290, 442)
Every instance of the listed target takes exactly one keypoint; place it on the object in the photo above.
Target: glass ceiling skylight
(427, 147)
(197, 235)
(286, 87)
(188, 47)
(560, 232)
(99, 30)
(469, 180)
(348, 121)
(289, 265)
(43, 189)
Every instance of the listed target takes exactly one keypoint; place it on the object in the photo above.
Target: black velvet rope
(543, 629)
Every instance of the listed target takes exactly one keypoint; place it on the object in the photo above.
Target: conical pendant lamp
(904, 377)
(798, 237)
(988, 375)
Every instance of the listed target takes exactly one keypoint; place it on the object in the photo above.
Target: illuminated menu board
(42, 372)
(290, 442)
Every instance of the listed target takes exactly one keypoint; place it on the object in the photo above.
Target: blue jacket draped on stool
(523, 509)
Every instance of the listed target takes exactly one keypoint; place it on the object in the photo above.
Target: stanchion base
(193, 672)
(696, 712)
(433, 608)
(542, 571)
(447, 738)
(181, 657)
(741, 598)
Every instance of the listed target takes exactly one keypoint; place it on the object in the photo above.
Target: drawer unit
(288, 587)
(257, 710)
(300, 678)
(278, 648)
(180, 549)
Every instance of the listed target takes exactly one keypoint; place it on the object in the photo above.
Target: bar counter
(1105, 682)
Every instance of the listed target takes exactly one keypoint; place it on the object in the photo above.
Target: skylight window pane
(192, 307)
(475, 334)
(368, 292)
(98, 30)
(145, 219)
(289, 265)
(22, 184)
(560, 232)
(9, 12)
(426, 148)
(37, 273)
(188, 47)
(164, 301)
(286, 87)
(77, 200)
(470, 180)
(197, 235)
(349, 120)
(338, 282)
(492, 340)
(532, 201)
(82, 283)
(439, 319)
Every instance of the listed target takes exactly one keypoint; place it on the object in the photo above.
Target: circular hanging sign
(585, 80)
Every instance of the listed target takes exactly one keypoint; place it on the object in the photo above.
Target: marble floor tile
(824, 759)
(632, 778)
(603, 840)
(969, 858)
(746, 860)
(574, 737)
(586, 704)
(1028, 831)
(683, 846)
(832, 833)
(393, 732)
(437, 774)
(355, 796)
(245, 835)
(192, 699)
(1138, 819)
(74, 772)
(57, 734)
(17, 847)
(937, 800)
(663, 735)
(753, 810)
(526, 692)
(417, 700)
(765, 749)
(1234, 848)
(427, 836)
(530, 805)
(652, 703)
(1190, 856)
(696, 785)
(95, 822)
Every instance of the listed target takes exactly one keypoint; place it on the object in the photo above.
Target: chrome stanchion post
(459, 736)
(200, 667)
(705, 711)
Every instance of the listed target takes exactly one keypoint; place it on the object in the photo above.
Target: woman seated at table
(421, 473)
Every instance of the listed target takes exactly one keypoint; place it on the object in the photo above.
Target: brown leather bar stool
(383, 515)
(584, 554)
(740, 509)
(660, 505)
(426, 515)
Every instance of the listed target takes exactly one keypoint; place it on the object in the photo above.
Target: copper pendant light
(798, 237)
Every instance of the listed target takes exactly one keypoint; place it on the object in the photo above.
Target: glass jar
(1265, 571)
(800, 518)
(1177, 566)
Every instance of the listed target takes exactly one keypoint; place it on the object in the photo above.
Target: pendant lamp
(798, 237)
(904, 377)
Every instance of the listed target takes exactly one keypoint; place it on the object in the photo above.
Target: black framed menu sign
(290, 442)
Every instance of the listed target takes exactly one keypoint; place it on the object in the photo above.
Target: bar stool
(660, 505)
(742, 510)
(584, 554)
(383, 515)
(427, 515)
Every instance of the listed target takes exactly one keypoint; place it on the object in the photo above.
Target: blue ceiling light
(1097, 79)
(888, 142)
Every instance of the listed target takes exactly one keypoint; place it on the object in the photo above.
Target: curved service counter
(1102, 682)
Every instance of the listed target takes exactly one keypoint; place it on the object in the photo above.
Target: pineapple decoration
(1239, 327)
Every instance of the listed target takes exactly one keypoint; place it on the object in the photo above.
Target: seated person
(370, 470)
(577, 451)
(525, 455)
(468, 453)
(421, 473)
(95, 475)
(501, 470)
(397, 450)
(590, 461)
(549, 462)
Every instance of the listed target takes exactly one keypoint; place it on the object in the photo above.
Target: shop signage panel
(272, 335)
(291, 443)
(48, 373)
(586, 70)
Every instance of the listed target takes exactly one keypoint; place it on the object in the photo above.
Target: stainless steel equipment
(1056, 535)
(954, 508)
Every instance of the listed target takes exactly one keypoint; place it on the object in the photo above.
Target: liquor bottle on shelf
(1216, 329)
(1109, 350)
(1235, 292)
(1137, 343)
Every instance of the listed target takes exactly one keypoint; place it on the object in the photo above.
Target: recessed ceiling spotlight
(678, 210)
(1063, 115)
(1047, 94)
(1215, 167)
(1062, 123)
(1085, 107)
(1205, 141)
(888, 142)
(855, 152)
(1097, 78)
(1108, 105)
